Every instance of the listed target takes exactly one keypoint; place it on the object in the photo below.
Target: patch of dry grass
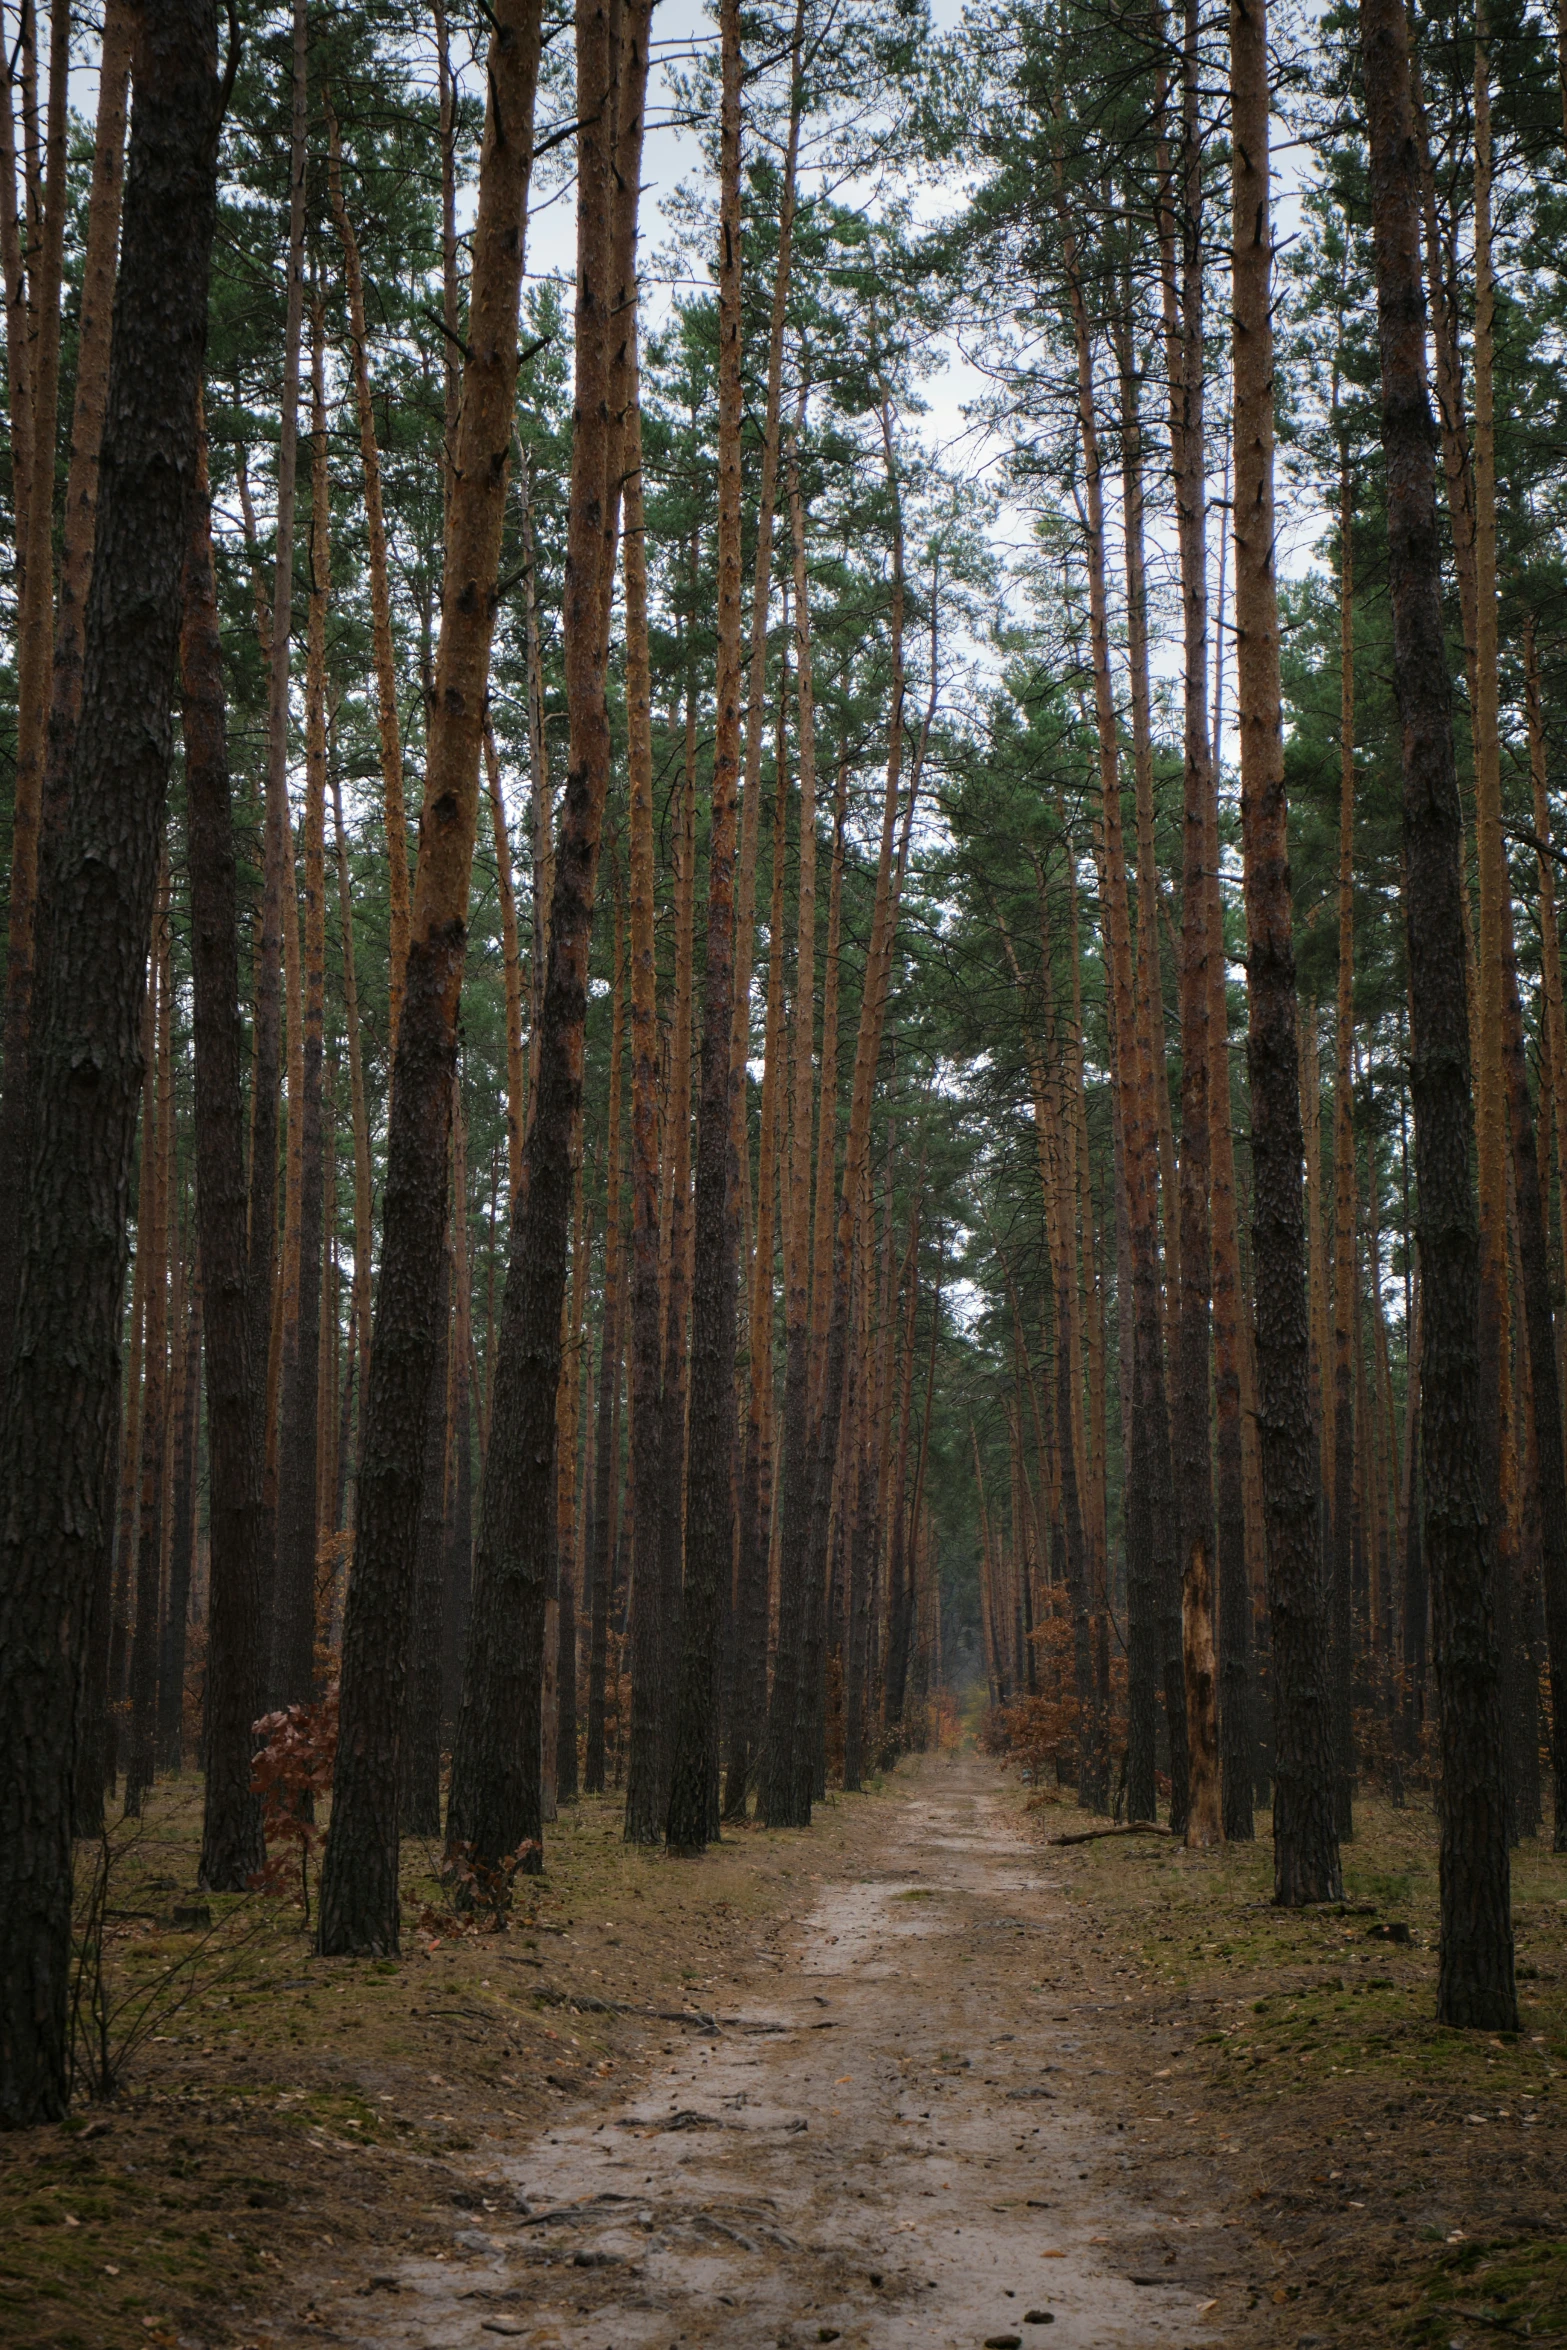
(1403, 2183)
(286, 2112)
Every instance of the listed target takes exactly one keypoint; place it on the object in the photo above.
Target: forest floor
(916, 2077)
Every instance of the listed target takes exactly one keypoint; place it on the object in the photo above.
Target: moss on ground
(278, 2109)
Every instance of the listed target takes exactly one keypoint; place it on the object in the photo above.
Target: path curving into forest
(896, 2139)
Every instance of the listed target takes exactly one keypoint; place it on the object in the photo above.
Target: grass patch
(291, 2117)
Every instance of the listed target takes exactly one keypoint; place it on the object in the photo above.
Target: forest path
(896, 2140)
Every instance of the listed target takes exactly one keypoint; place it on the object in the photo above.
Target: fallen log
(1092, 1835)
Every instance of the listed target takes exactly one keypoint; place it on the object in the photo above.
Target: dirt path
(897, 2138)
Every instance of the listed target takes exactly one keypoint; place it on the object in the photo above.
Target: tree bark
(511, 954)
(748, 1698)
(1497, 1399)
(387, 730)
(496, 1802)
(646, 1368)
(1202, 1816)
(186, 1421)
(1151, 1509)
(359, 1899)
(1475, 1980)
(294, 1656)
(605, 1466)
(76, 546)
(35, 625)
(775, 1788)
(231, 1847)
(655, 1605)
(152, 1234)
(419, 1758)
(873, 1008)
(1542, 1352)
(1342, 1499)
(277, 859)
(1305, 1844)
(1237, 1679)
(63, 1395)
(693, 1793)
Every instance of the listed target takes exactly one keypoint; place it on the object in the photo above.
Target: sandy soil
(896, 2137)
(917, 2075)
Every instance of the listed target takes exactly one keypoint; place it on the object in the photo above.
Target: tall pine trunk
(294, 1655)
(359, 1895)
(231, 1846)
(645, 1351)
(1190, 1422)
(1475, 1980)
(496, 1805)
(35, 633)
(693, 1792)
(277, 859)
(152, 1234)
(1305, 1843)
(387, 731)
(63, 1390)
(1342, 1444)
(775, 1790)
(605, 1467)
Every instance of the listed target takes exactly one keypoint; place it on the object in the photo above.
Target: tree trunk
(573, 1496)
(775, 1795)
(363, 1226)
(1475, 1981)
(1151, 1505)
(1497, 1407)
(645, 1353)
(231, 1847)
(388, 735)
(693, 1793)
(419, 1758)
(182, 1542)
(1202, 1815)
(1546, 1376)
(749, 1696)
(495, 1808)
(35, 628)
(152, 1234)
(277, 865)
(655, 1605)
(1237, 1679)
(294, 1657)
(873, 1008)
(1342, 1519)
(605, 1465)
(1305, 1845)
(511, 953)
(76, 545)
(63, 1394)
(359, 1904)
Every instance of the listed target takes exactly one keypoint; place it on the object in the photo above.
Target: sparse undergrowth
(295, 2107)
(1406, 2180)
(299, 2119)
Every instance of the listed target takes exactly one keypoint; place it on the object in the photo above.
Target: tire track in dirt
(902, 2150)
